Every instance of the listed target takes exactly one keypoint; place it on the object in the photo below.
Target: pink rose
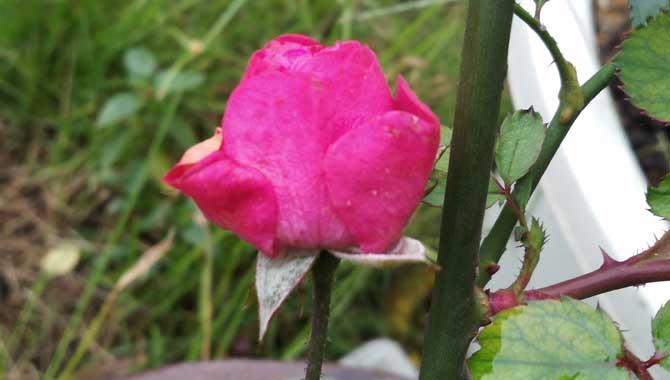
(314, 152)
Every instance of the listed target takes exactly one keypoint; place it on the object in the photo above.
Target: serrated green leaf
(536, 236)
(549, 340)
(658, 198)
(644, 63)
(139, 62)
(117, 108)
(519, 144)
(519, 232)
(643, 10)
(660, 328)
(179, 82)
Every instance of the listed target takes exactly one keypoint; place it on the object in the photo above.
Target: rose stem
(323, 273)
(455, 314)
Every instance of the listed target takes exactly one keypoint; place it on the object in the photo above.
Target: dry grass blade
(141, 267)
(145, 263)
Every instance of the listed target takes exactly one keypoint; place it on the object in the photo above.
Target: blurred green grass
(61, 63)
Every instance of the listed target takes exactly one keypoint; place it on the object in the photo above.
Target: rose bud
(314, 152)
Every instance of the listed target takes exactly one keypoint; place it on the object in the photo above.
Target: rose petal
(233, 196)
(347, 75)
(406, 251)
(281, 53)
(406, 100)
(376, 174)
(276, 279)
(274, 123)
(353, 84)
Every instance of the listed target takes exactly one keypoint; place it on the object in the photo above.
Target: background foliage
(97, 100)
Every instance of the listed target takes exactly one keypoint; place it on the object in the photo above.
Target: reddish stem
(652, 265)
(506, 191)
(655, 359)
(635, 365)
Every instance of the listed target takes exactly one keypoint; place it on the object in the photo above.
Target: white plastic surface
(593, 193)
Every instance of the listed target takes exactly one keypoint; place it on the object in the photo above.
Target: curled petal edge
(406, 251)
(406, 100)
(235, 197)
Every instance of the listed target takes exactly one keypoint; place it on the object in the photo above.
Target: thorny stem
(454, 315)
(572, 99)
(631, 362)
(494, 244)
(655, 359)
(531, 252)
(533, 241)
(323, 273)
(652, 265)
(562, 64)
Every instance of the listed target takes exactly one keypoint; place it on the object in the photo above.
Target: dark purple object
(257, 370)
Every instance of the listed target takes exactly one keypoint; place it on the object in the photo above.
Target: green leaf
(519, 144)
(643, 10)
(536, 237)
(658, 198)
(660, 328)
(117, 108)
(644, 63)
(549, 340)
(167, 82)
(139, 62)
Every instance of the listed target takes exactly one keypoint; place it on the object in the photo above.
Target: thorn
(492, 269)
(608, 261)
(655, 359)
